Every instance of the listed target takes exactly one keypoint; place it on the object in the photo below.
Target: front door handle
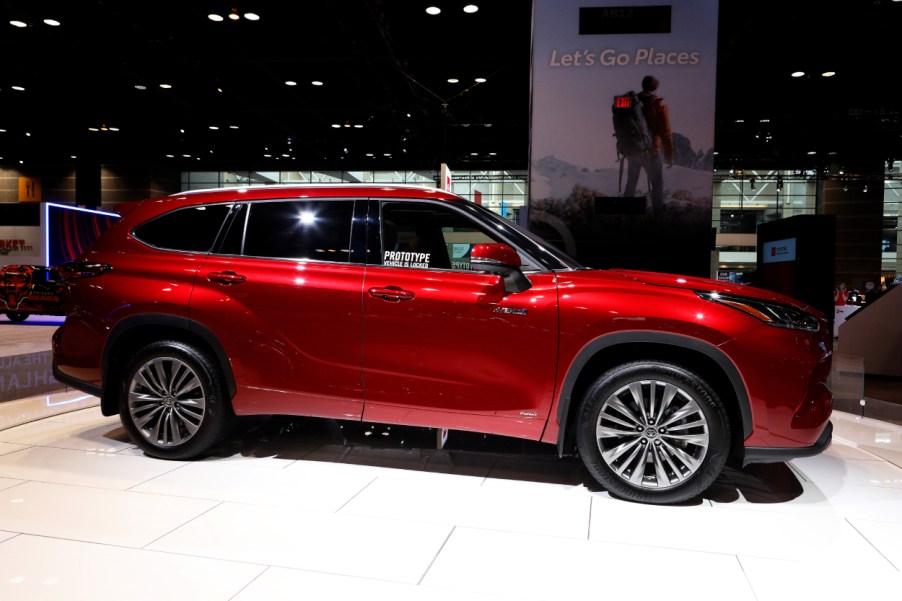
(225, 277)
(391, 293)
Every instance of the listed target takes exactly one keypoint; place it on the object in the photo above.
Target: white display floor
(312, 509)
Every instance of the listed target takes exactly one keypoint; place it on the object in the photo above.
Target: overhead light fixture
(166, 86)
(336, 125)
(798, 74)
(52, 22)
(291, 83)
(252, 16)
(453, 80)
(234, 16)
(18, 24)
(316, 82)
(18, 88)
(828, 73)
(215, 17)
(865, 189)
(480, 80)
(433, 10)
(470, 8)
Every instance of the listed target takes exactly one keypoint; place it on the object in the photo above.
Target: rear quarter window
(192, 229)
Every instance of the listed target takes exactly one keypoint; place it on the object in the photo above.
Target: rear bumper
(777, 454)
(76, 383)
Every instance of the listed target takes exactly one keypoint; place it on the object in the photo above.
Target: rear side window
(192, 229)
(300, 229)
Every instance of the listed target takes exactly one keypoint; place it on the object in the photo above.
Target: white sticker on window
(397, 258)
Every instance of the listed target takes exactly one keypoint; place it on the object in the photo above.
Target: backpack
(630, 128)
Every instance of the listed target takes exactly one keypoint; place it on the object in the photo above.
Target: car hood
(687, 282)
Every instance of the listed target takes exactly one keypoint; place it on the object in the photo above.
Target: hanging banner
(29, 189)
(614, 182)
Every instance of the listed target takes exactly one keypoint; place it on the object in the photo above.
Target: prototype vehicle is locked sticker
(399, 258)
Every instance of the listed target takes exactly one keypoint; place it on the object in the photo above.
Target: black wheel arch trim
(660, 338)
(178, 322)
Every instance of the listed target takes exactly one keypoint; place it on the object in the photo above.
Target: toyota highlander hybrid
(410, 305)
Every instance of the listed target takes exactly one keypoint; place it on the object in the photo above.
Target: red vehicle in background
(30, 289)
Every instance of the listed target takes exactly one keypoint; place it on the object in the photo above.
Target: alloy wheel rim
(166, 401)
(652, 434)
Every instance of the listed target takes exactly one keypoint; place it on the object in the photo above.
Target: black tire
(174, 424)
(17, 316)
(667, 449)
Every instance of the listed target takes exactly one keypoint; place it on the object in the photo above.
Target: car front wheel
(173, 401)
(653, 432)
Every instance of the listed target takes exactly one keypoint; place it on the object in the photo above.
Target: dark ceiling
(385, 65)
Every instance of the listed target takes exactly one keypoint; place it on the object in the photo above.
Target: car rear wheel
(17, 316)
(173, 401)
(653, 432)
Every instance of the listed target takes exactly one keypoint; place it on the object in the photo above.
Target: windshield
(541, 250)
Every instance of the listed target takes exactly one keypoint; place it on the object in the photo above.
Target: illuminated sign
(778, 251)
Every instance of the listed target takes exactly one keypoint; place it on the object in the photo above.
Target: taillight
(74, 270)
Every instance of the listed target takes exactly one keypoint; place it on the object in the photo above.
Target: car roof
(153, 206)
(394, 190)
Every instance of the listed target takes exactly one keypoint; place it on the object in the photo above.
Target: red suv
(409, 305)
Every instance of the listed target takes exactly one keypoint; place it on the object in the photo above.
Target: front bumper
(777, 454)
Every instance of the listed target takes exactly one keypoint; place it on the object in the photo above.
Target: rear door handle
(391, 293)
(225, 277)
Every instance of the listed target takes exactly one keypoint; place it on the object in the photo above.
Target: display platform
(378, 513)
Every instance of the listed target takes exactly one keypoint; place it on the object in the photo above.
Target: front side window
(192, 229)
(318, 230)
(428, 236)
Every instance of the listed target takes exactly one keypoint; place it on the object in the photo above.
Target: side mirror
(503, 260)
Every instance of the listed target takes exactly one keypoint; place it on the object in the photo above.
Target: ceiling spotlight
(52, 22)
(252, 16)
(291, 83)
(798, 74)
(828, 73)
(358, 126)
(336, 126)
(480, 80)
(433, 10)
(18, 24)
(234, 15)
(214, 17)
(316, 82)
(166, 86)
(18, 88)
(453, 80)
(470, 8)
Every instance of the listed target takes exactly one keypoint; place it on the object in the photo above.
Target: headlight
(774, 314)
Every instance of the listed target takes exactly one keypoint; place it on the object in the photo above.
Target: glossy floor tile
(299, 508)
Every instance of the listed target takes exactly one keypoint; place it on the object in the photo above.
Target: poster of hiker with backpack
(644, 139)
(622, 132)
